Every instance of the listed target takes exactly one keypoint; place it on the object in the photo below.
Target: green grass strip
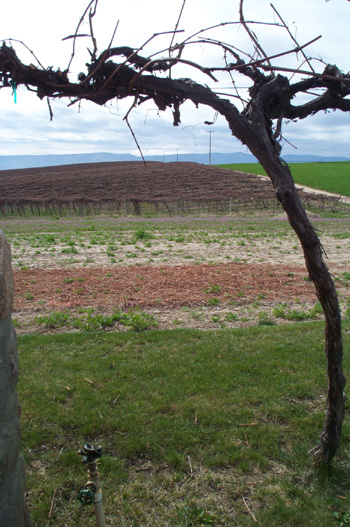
(197, 426)
(331, 177)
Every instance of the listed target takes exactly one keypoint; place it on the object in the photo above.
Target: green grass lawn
(332, 177)
(198, 427)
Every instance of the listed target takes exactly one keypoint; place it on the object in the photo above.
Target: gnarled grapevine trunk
(325, 290)
(262, 142)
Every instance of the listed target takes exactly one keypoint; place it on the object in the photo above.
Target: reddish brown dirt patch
(165, 286)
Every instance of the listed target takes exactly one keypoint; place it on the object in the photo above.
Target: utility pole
(210, 132)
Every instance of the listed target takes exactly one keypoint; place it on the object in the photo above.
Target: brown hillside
(130, 180)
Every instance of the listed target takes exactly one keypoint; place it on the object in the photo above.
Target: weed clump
(264, 319)
(284, 312)
(135, 320)
(143, 235)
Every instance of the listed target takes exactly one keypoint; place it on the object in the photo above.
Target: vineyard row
(83, 207)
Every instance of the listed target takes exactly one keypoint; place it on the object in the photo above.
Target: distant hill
(52, 160)
(32, 161)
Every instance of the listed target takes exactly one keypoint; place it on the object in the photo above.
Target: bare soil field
(129, 180)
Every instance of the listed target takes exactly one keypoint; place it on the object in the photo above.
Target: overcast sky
(41, 25)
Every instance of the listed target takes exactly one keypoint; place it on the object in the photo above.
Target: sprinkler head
(90, 454)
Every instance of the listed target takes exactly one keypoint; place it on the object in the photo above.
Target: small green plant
(192, 516)
(92, 322)
(286, 313)
(70, 250)
(231, 317)
(342, 518)
(69, 280)
(214, 301)
(136, 319)
(143, 235)
(55, 320)
(28, 295)
(89, 310)
(213, 288)
(49, 238)
(265, 320)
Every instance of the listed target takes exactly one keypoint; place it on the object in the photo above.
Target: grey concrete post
(12, 472)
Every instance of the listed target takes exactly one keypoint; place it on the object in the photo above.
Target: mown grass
(198, 428)
(332, 177)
